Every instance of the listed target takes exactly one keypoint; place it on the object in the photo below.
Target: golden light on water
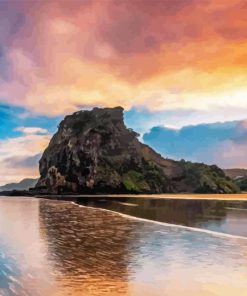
(57, 249)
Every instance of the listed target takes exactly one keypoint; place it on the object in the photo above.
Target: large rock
(94, 152)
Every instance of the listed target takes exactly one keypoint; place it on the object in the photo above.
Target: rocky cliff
(94, 152)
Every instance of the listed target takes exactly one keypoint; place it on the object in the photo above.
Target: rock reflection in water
(89, 247)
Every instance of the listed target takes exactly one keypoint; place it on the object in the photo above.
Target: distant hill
(24, 184)
(240, 177)
(236, 173)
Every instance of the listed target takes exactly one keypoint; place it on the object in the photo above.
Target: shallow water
(57, 248)
(224, 216)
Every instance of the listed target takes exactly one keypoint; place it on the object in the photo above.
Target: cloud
(24, 161)
(142, 119)
(18, 156)
(177, 54)
(224, 143)
(32, 130)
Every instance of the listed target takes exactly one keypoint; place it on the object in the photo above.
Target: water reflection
(93, 246)
(216, 215)
(22, 250)
(52, 248)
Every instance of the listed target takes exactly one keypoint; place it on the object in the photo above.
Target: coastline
(188, 196)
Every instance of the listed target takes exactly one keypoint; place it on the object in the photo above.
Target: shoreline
(157, 222)
(185, 196)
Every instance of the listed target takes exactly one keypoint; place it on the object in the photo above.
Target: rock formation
(94, 152)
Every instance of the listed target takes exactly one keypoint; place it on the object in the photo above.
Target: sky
(178, 67)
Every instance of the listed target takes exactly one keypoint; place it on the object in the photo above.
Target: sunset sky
(171, 64)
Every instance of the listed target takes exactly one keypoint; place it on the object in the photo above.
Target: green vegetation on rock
(242, 183)
(135, 182)
(207, 179)
(148, 177)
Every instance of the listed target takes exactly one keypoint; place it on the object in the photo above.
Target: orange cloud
(174, 54)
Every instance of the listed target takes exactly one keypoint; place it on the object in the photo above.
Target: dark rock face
(94, 152)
